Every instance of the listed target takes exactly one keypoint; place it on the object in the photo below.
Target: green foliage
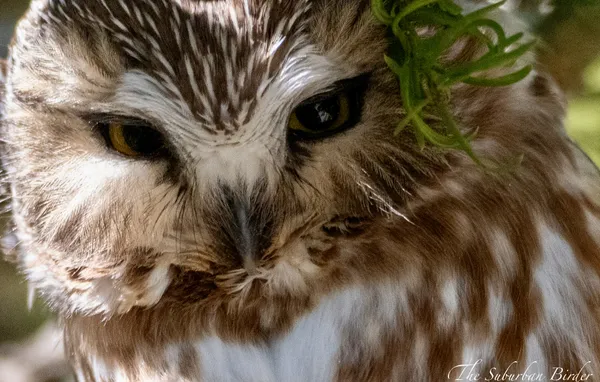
(425, 79)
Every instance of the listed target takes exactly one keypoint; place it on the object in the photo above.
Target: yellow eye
(324, 115)
(133, 140)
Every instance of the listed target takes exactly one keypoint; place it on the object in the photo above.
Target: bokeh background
(570, 34)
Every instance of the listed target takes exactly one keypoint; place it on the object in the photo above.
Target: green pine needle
(425, 80)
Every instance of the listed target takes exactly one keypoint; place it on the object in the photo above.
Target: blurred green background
(570, 51)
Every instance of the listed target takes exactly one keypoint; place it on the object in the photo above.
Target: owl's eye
(327, 114)
(133, 139)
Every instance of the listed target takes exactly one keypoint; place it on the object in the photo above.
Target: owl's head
(195, 152)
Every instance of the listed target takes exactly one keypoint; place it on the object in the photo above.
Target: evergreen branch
(425, 78)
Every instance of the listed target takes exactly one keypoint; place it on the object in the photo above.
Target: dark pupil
(320, 115)
(142, 139)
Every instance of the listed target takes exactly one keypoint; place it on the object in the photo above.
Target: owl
(212, 191)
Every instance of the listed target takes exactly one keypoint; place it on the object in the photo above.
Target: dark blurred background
(570, 50)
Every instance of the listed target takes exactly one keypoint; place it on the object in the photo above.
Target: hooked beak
(245, 225)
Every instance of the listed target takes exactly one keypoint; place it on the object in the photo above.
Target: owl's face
(180, 152)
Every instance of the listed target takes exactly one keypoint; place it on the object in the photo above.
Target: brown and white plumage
(248, 255)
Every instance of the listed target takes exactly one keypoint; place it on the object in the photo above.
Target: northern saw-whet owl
(212, 191)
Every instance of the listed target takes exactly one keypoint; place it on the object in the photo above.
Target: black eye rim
(101, 124)
(354, 84)
(354, 88)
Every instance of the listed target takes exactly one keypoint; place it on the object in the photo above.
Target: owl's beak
(247, 226)
(247, 235)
